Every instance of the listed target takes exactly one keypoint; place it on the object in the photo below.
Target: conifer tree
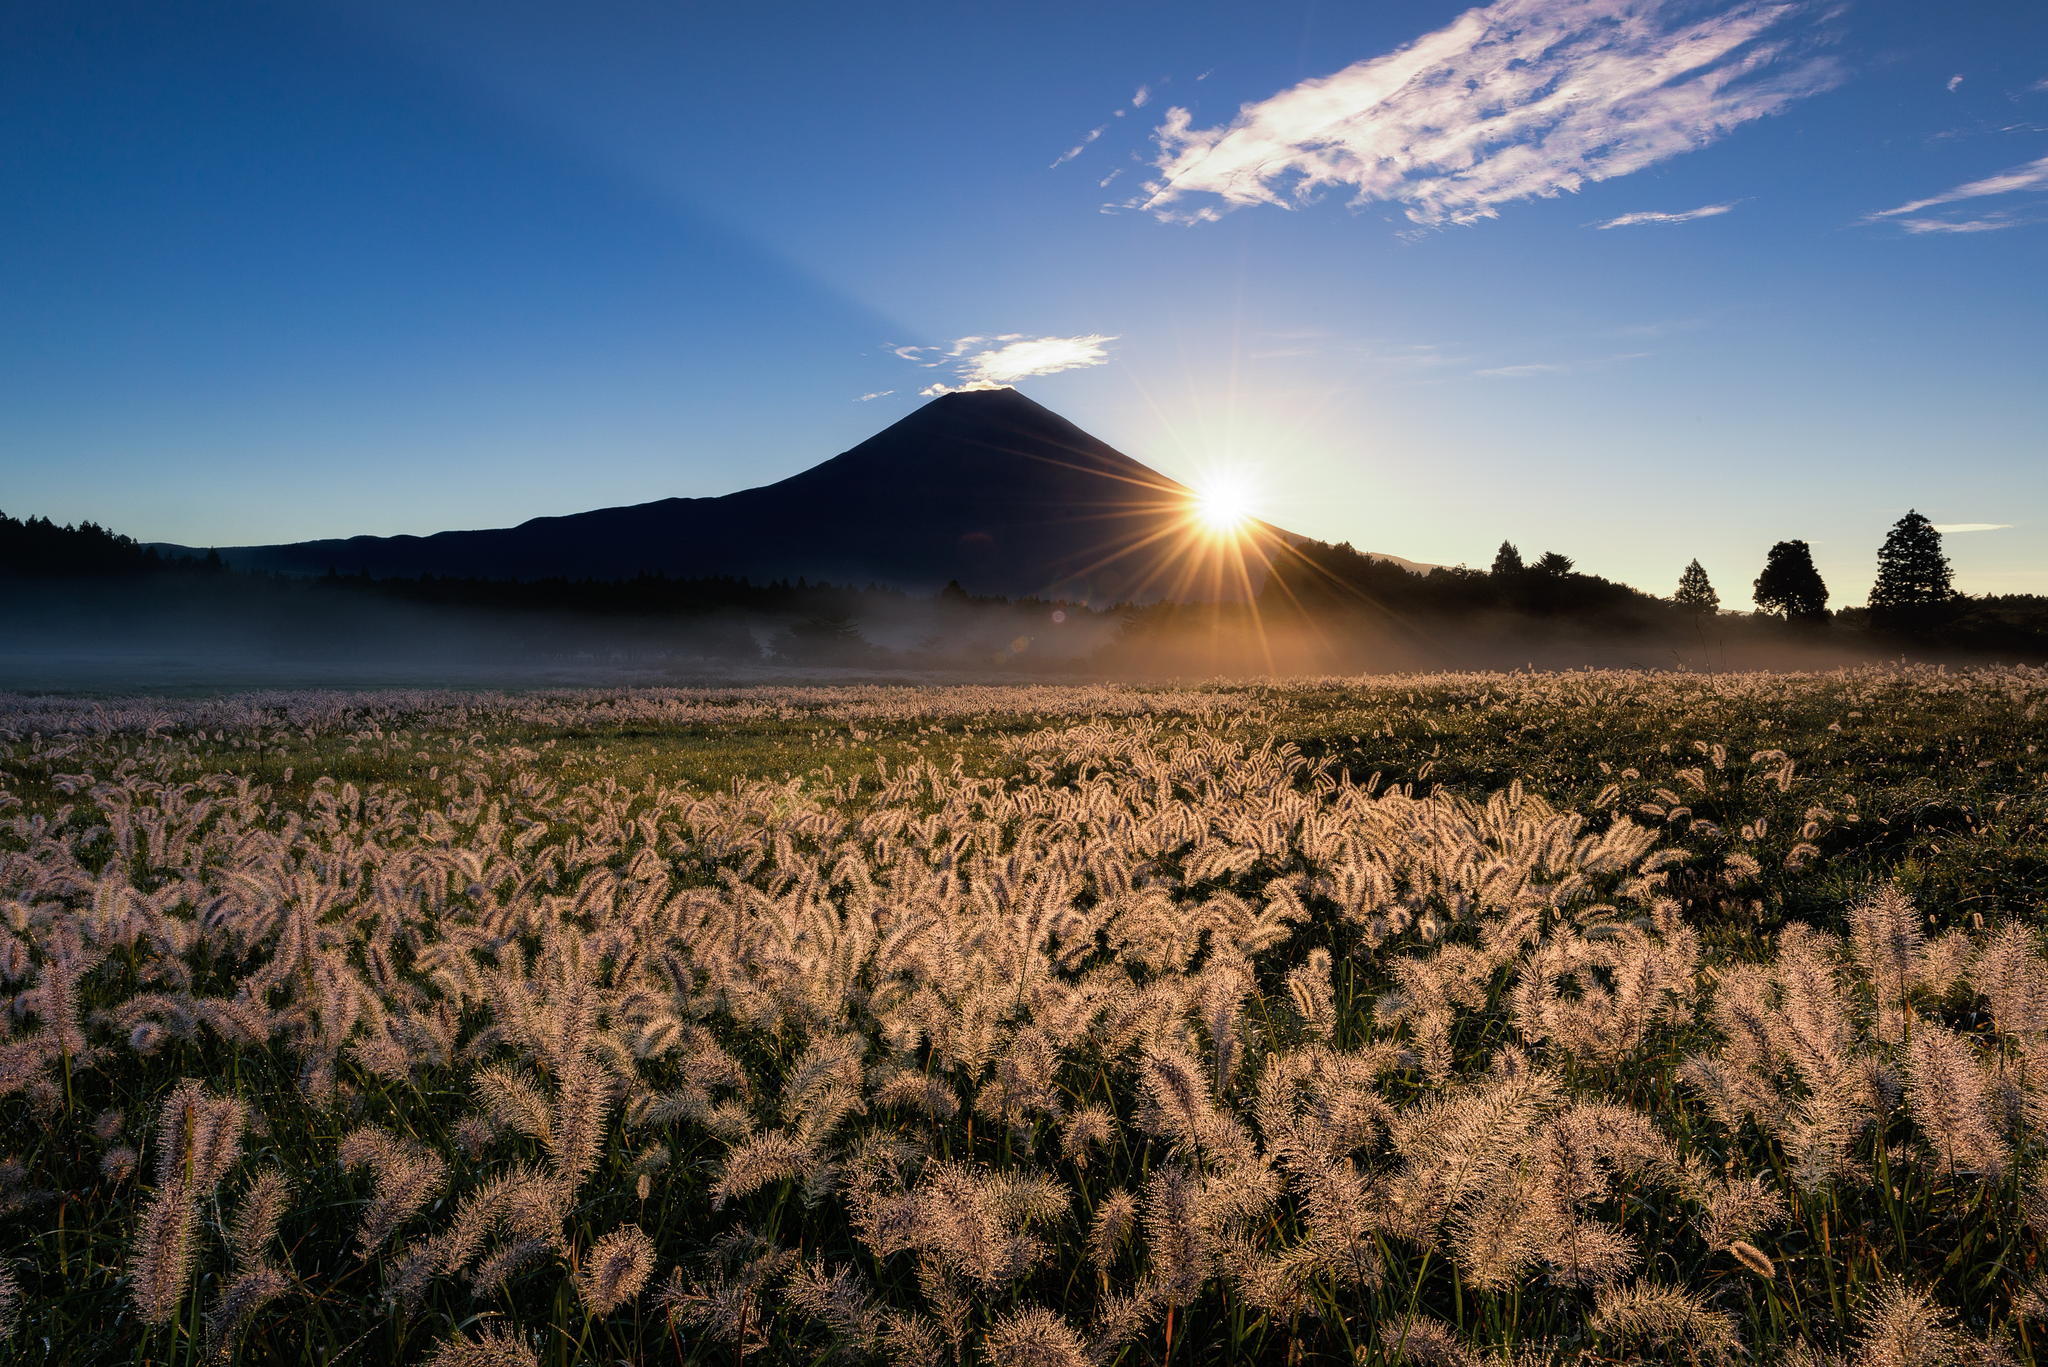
(1913, 590)
(1790, 586)
(1507, 560)
(1696, 592)
(1554, 563)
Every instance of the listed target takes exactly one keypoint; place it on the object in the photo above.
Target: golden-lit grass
(1032, 1025)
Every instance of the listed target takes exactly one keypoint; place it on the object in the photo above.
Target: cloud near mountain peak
(998, 361)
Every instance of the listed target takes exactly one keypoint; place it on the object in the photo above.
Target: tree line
(37, 547)
(1913, 600)
(1914, 593)
(1332, 593)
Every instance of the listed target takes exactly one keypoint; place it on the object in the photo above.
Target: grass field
(1551, 1018)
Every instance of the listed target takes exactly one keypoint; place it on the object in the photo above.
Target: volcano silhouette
(984, 487)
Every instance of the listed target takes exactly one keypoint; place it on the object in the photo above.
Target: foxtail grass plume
(614, 1269)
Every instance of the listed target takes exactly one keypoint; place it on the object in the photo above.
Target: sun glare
(1223, 503)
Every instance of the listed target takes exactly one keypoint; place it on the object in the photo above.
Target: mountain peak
(994, 399)
(984, 486)
(980, 393)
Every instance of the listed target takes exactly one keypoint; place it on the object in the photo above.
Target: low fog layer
(251, 632)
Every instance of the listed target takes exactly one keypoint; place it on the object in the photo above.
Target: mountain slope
(986, 487)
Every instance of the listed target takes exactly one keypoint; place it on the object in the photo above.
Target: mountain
(985, 487)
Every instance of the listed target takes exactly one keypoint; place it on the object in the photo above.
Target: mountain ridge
(984, 487)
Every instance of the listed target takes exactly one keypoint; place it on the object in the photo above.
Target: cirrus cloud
(1518, 99)
(1519, 372)
(1945, 527)
(997, 361)
(1990, 223)
(1654, 216)
(2030, 178)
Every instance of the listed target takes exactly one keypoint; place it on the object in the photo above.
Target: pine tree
(1507, 560)
(1790, 586)
(1913, 590)
(1555, 564)
(1695, 592)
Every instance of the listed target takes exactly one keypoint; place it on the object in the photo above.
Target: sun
(1223, 503)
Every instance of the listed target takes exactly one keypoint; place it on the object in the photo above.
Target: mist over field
(983, 536)
(73, 636)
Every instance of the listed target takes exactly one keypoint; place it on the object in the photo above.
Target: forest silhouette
(1322, 608)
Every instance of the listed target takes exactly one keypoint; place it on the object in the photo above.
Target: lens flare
(1223, 503)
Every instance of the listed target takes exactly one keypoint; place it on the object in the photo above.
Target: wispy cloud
(1078, 148)
(1519, 372)
(1662, 327)
(878, 394)
(2030, 178)
(1517, 99)
(1955, 81)
(1990, 223)
(993, 362)
(1945, 527)
(1412, 358)
(1532, 369)
(1139, 99)
(1657, 216)
(1394, 358)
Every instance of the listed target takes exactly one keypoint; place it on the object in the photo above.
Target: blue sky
(270, 272)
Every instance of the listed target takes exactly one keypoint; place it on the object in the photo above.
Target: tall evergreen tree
(1790, 586)
(1507, 560)
(1913, 590)
(1696, 592)
(1555, 564)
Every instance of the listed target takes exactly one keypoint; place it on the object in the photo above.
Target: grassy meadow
(1516, 1018)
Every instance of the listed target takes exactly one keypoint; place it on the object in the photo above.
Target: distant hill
(984, 487)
